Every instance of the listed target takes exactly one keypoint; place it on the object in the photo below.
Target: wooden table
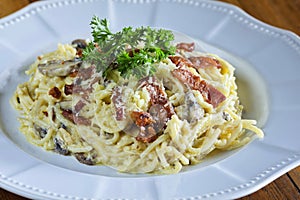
(281, 13)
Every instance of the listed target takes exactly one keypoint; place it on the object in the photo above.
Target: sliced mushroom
(159, 115)
(62, 125)
(42, 132)
(194, 110)
(84, 158)
(226, 116)
(79, 44)
(60, 146)
(131, 128)
(59, 67)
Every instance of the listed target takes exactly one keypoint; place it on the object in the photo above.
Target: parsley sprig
(130, 51)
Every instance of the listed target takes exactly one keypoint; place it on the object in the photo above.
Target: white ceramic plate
(267, 61)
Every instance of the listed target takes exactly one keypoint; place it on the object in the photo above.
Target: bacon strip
(86, 73)
(180, 61)
(157, 94)
(189, 47)
(68, 114)
(147, 135)
(196, 62)
(79, 105)
(160, 111)
(209, 93)
(82, 90)
(78, 89)
(145, 122)
(118, 102)
(204, 62)
(142, 118)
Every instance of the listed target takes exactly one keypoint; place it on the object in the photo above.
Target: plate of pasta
(163, 110)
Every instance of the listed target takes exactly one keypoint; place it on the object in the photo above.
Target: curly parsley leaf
(130, 51)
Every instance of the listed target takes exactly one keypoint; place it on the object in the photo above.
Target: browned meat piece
(79, 105)
(79, 89)
(118, 102)
(74, 89)
(68, 114)
(209, 93)
(147, 135)
(68, 89)
(154, 120)
(86, 73)
(157, 94)
(55, 92)
(180, 61)
(187, 77)
(204, 62)
(142, 118)
(189, 47)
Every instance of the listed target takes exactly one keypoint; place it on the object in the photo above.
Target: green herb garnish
(130, 51)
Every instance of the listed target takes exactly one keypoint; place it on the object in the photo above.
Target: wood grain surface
(284, 14)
